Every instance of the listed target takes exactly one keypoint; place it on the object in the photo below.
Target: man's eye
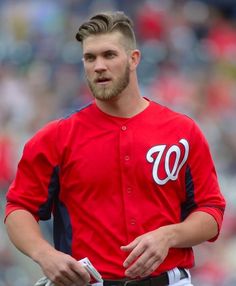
(89, 59)
(110, 55)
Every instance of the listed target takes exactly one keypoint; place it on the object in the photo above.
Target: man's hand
(147, 252)
(63, 270)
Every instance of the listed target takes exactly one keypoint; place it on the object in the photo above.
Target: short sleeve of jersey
(203, 177)
(36, 181)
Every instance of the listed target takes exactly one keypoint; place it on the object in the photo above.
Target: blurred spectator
(149, 21)
(7, 161)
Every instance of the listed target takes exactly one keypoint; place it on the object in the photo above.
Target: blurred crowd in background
(188, 63)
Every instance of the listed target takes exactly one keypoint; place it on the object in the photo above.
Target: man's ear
(134, 59)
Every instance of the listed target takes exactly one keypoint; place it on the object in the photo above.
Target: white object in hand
(91, 269)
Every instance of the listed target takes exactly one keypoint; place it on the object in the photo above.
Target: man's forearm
(197, 228)
(26, 235)
(60, 268)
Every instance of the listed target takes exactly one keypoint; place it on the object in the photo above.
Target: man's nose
(99, 65)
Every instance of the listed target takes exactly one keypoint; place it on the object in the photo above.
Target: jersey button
(123, 128)
(127, 158)
(133, 221)
(129, 190)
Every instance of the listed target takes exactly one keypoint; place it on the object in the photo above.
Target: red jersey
(108, 180)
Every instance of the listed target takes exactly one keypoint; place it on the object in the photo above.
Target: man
(131, 184)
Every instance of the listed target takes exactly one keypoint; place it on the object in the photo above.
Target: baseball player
(131, 184)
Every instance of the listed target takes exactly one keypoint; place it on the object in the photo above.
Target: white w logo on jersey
(171, 171)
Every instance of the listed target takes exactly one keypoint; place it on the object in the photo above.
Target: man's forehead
(102, 42)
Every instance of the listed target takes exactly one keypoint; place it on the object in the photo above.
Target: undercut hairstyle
(108, 22)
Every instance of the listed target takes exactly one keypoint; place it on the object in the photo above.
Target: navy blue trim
(62, 229)
(189, 204)
(45, 209)
(214, 207)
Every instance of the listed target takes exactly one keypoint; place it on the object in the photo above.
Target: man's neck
(125, 106)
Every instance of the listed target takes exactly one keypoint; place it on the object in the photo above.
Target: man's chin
(104, 96)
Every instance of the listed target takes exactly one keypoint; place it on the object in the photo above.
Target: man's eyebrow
(103, 52)
(88, 54)
(110, 51)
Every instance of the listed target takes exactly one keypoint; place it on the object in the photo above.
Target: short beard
(106, 93)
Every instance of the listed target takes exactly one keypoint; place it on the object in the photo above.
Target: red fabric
(109, 185)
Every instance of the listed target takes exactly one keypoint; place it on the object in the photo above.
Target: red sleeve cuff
(12, 207)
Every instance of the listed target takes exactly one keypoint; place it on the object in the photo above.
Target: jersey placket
(127, 167)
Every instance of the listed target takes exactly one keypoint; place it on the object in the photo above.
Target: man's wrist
(171, 235)
(41, 252)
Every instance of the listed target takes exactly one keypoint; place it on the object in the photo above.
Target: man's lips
(102, 80)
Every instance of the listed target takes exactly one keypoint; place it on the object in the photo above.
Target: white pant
(174, 278)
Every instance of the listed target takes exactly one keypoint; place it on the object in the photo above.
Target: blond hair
(109, 22)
